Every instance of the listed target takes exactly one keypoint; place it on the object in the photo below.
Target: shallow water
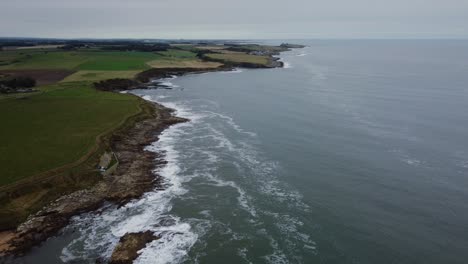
(354, 153)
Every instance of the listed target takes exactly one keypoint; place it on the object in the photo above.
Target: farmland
(56, 127)
(183, 64)
(53, 136)
(86, 75)
(59, 123)
(239, 58)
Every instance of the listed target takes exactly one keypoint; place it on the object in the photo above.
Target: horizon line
(230, 39)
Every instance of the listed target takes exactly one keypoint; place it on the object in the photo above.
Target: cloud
(235, 19)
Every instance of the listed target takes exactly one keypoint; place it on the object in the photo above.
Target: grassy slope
(51, 129)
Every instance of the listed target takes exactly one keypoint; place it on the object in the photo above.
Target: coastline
(134, 176)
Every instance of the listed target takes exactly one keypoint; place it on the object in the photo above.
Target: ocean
(355, 152)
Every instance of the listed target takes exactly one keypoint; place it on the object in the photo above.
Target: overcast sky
(270, 19)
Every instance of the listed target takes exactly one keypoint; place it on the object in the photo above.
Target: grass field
(33, 59)
(99, 75)
(76, 60)
(253, 47)
(88, 60)
(214, 47)
(180, 59)
(56, 127)
(183, 64)
(116, 61)
(239, 58)
(178, 54)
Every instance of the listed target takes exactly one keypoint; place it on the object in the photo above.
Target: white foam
(289, 225)
(169, 84)
(205, 213)
(193, 150)
(180, 109)
(464, 164)
(242, 252)
(405, 157)
(172, 247)
(414, 162)
(231, 122)
(278, 256)
(147, 97)
(302, 55)
(242, 198)
(236, 70)
(287, 65)
(166, 82)
(99, 233)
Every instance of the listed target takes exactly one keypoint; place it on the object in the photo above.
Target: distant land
(71, 141)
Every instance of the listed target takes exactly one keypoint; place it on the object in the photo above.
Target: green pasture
(56, 127)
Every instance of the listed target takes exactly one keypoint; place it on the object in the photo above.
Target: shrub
(18, 82)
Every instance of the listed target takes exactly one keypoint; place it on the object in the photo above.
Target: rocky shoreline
(144, 80)
(133, 177)
(127, 249)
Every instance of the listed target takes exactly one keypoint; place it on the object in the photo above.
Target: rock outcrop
(127, 250)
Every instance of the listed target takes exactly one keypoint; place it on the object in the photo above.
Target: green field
(178, 54)
(239, 58)
(116, 61)
(51, 129)
(253, 47)
(32, 59)
(77, 60)
(184, 64)
(96, 60)
(99, 75)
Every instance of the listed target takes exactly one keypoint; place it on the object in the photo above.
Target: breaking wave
(197, 151)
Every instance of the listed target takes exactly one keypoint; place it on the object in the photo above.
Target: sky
(234, 19)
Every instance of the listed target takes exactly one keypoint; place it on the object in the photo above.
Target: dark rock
(292, 46)
(116, 84)
(127, 249)
(159, 73)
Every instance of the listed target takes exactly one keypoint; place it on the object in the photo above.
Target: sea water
(356, 152)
